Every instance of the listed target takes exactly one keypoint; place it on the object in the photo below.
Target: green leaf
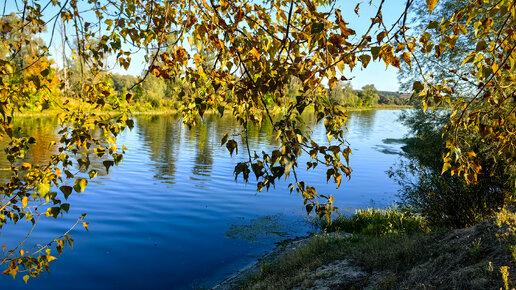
(481, 46)
(224, 139)
(107, 164)
(232, 146)
(67, 190)
(329, 174)
(117, 158)
(45, 72)
(65, 207)
(69, 175)
(317, 27)
(433, 25)
(418, 86)
(130, 124)
(54, 211)
(365, 59)
(375, 50)
(309, 208)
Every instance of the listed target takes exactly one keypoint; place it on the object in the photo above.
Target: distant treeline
(368, 96)
(153, 92)
(157, 92)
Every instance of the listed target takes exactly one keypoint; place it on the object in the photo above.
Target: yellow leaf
(338, 179)
(26, 166)
(26, 278)
(470, 178)
(431, 4)
(278, 135)
(469, 58)
(197, 59)
(476, 167)
(191, 41)
(406, 58)
(340, 66)
(255, 53)
(51, 258)
(446, 166)
(22, 252)
(25, 201)
(85, 225)
(332, 82)
(395, 62)
(451, 40)
(425, 106)
(14, 271)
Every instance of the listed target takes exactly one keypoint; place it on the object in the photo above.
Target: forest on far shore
(156, 93)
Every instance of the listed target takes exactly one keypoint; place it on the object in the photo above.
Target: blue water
(173, 216)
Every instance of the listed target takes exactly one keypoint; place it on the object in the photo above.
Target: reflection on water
(43, 130)
(172, 215)
(162, 134)
(363, 121)
(204, 154)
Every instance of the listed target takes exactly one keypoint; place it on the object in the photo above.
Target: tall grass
(378, 222)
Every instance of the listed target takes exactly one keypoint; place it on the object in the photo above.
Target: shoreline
(254, 268)
(172, 112)
(281, 250)
(476, 257)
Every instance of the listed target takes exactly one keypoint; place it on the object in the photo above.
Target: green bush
(443, 199)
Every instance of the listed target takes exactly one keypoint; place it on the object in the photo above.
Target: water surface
(173, 216)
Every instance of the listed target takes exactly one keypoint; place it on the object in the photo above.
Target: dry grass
(479, 257)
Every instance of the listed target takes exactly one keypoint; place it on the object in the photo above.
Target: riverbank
(379, 107)
(135, 111)
(388, 250)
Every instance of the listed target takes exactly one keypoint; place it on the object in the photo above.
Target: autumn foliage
(259, 49)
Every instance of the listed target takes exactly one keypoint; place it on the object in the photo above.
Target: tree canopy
(240, 57)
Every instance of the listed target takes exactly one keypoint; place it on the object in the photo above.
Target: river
(173, 216)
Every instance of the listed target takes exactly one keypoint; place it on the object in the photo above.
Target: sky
(384, 78)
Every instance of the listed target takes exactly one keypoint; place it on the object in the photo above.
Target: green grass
(398, 246)
(378, 222)
(381, 239)
(396, 253)
(294, 268)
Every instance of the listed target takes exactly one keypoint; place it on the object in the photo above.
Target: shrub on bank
(442, 198)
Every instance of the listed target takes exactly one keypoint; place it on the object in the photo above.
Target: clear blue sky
(376, 73)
